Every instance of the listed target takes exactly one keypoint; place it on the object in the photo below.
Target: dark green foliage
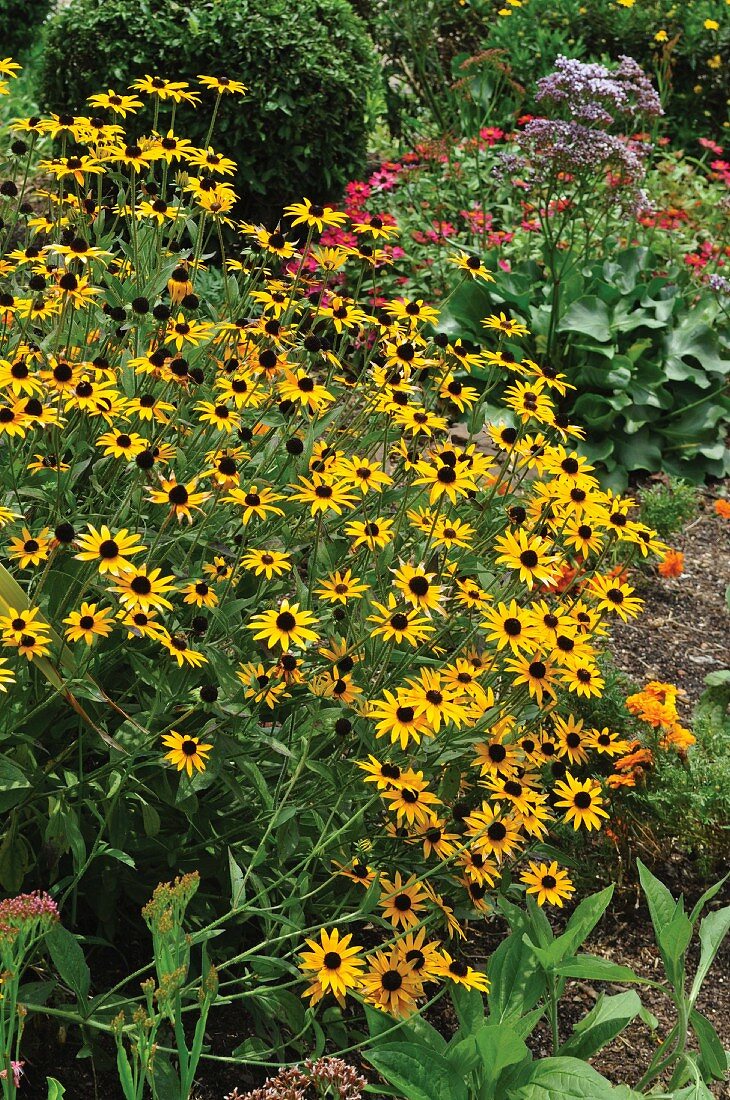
(308, 65)
(691, 797)
(19, 23)
(668, 508)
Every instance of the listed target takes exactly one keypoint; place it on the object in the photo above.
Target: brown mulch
(684, 631)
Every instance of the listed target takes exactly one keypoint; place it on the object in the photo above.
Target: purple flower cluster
(578, 149)
(719, 283)
(311, 1080)
(597, 96)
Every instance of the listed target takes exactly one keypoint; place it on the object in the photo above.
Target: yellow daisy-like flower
(119, 104)
(186, 753)
(6, 675)
(30, 550)
(548, 883)
(223, 85)
(268, 562)
(286, 627)
(341, 587)
(335, 964)
(582, 801)
(314, 215)
(88, 624)
(177, 646)
(459, 972)
(180, 497)
(110, 552)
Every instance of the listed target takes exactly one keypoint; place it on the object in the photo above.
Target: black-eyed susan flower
(109, 552)
(375, 533)
(340, 587)
(30, 550)
(613, 596)
(223, 85)
(30, 644)
(547, 882)
(581, 801)
(459, 972)
(529, 554)
(125, 445)
(143, 587)
(178, 647)
(199, 593)
(402, 900)
(334, 962)
(583, 677)
(381, 772)
(418, 587)
(410, 799)
(607, 742)
(285, 627)
(492, 832)
(510, 625)
(88, 624)
(267, 562)
(16, 622)
(472, 266)
(119, 104)
(396, 623)
(7, 676)
(324, 494)
(445, 479)
(390, 984)
(432, 698)
(314, 215)
(396, 718)
(187, 753)
(256, 501)
(571, 738)
(181, 497)
(260, 685)
(536, 671)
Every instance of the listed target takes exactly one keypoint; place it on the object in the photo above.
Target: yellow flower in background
(711, 25)
(661, 36)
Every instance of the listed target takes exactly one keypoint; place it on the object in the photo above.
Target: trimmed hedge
(309, 66)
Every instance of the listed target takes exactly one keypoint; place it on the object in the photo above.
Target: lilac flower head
(333, 1074)
(592, 94)
(720, 284)
(26, 909)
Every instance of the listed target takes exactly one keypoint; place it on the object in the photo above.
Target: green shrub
(308, 65)
(19, 22)
(668, 508)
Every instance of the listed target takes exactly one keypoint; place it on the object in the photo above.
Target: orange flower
(673, 564)
(642, 758)
(722, 507)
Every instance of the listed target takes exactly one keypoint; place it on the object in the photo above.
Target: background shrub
(308, 65)
(19, 22)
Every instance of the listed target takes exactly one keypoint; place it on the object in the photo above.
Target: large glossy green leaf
(418, 1072)
(469, 1007)
(693, 351)
(561, 1079)
(517, 982)
(607, 1019)
(499, 1046)
(596, 969)
(588, 316)
(583, 920)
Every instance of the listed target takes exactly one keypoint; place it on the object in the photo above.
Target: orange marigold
(722, 507)
(672, 565)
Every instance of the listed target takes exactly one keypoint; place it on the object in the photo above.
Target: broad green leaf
(13, 782)
(561, 1079)
(517, 982)
(469, 1007)
(674, 939)
(589, 316)
(418, 1072)
(713, 1059)
(713, 929)
(56, 1091)
(660, 901)
(583, 920)
(596, 969)
(606, 1020)
(69, 961)
(500, 1046)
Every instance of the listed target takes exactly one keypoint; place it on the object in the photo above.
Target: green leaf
(674, 939)
(589, 316)
(468, 1005)
(713, 929)
(713, 1059)
(583, 920)
(13, 782)
(711, 891)
(596, 969)
(55, 1089)
(564, 1078)
(517, 982)
(606, 1020)
(660, 901)
(69, 961)
(418, 1072)
(500, 1046)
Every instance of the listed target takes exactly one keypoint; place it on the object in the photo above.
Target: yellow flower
(711, 25)
(186, 752)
